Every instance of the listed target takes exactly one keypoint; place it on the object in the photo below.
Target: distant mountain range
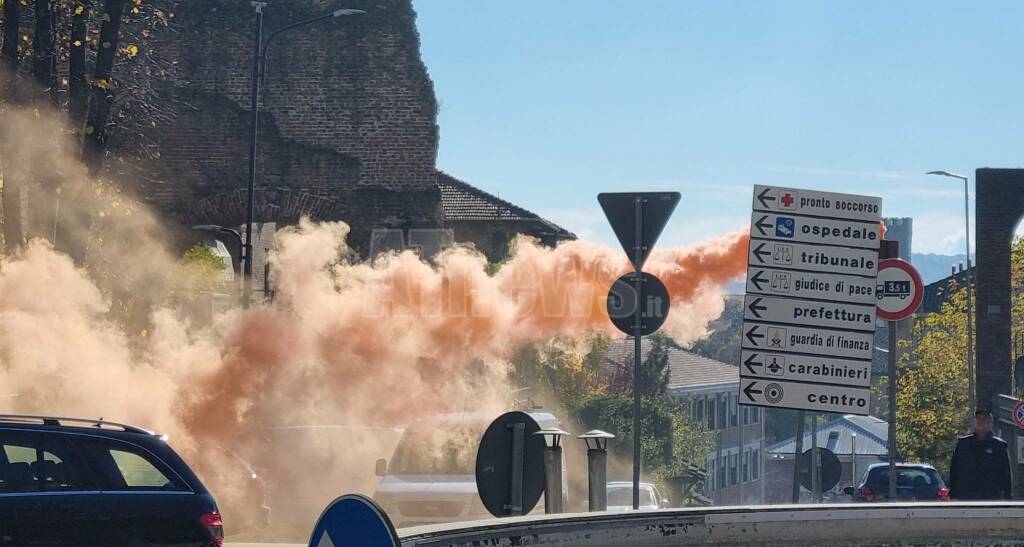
(932, 268)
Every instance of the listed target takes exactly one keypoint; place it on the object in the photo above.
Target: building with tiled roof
(489, 222)
(710, 389)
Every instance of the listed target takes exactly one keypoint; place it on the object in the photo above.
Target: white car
(620, 496)
(431, 478)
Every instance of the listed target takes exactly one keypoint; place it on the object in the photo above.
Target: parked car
(914, 482)
(431, 477)
(620, 496)
(76, 482)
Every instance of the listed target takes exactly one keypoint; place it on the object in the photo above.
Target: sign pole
(796, 457)
(815, 461)
(637, 328)
(638, 219)
(892, 409)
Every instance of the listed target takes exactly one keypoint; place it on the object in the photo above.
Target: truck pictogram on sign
(894, 289)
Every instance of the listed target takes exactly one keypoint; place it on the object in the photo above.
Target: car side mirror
(382, 467)
(664, 502)
(848, 490)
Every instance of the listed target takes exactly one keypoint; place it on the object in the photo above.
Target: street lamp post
(552, 469)
(258, 73)
(970, 287)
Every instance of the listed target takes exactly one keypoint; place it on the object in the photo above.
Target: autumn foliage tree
(933, 401)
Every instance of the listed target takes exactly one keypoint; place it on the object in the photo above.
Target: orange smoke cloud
(345, 342)
(357, 330)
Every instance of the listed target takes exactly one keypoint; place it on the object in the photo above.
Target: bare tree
(78, 83)
(101, 96)
(11, 192)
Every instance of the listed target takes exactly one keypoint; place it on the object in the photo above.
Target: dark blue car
(74, 482)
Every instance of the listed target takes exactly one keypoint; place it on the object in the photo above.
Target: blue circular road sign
(354, 521)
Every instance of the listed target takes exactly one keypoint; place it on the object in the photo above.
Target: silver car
(620, 496)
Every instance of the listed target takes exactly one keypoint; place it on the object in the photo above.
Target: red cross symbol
(787, 199)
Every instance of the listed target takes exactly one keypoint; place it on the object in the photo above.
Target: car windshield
(915, 477)
(623, 496)
(438, 448)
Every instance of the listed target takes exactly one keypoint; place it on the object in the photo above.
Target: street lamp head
(347, 11)
(209, 227)
(947, 174)
(552, 436)
(596, 439)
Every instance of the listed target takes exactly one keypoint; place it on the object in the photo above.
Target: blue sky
(547, 103)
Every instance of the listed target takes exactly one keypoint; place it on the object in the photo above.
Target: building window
(723, 411)
(720, 481)
(711, 414)
(755, 465)
(755, 414)
(746, 466)
(733, 411)
(733, 469)
(697, 409)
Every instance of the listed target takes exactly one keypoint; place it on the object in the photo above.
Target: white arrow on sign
(814, 341)
(794, 311)
(846, 233)
(805, 368)
(834, 287)
(817, 397)
(815, 258)
(810, 202)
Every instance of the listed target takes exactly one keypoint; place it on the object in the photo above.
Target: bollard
(552, 469)
(597, 468)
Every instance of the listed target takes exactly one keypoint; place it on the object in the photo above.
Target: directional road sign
(812, 300)
(823, 231)
(621, 210)
(805, 368)
(795, 311)
(899, 289)
(821, 286)
(804, 396)
(807, 340)
(814, 203)
(814, 258)
(352, 520)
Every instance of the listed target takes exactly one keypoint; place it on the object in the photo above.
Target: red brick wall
(348, 118)
(1000, 206)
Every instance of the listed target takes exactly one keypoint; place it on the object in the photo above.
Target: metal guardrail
(919, 524)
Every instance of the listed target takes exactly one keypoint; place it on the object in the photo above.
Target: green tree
(199, 274)
(670, 441)
(933, 403)
(932, 396)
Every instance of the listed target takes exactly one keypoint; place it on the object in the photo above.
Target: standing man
(980, 469)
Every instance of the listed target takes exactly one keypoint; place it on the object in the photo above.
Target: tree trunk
(44, 192)
(11, 193)
(101, 95)
(78, 85)
(12, 15)
(44, 48)
(72, 233)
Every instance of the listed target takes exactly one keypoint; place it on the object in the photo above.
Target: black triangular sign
(620, 208)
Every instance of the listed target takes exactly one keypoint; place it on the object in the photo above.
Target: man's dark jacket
(980, 469)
